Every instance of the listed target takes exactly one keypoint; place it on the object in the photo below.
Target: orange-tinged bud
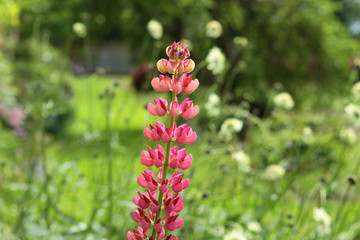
(190, 66)
(161, 65)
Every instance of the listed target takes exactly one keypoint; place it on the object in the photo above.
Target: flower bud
(161, 65)
(190, 65)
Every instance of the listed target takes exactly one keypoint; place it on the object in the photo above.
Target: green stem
(166, 166)
(109, 165)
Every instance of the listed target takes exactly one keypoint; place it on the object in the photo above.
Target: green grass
(220, 198)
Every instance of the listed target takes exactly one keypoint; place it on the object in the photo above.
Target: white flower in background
(231, 126)
(235, 235)
(356, 90)
(213, 29)
(155, 29)
(215, 61)
(212, 106)
(243, 160)
(307, 135)
(353, 113)
(324, 221)
(284, 100)
(274, 172)
(254, 226)
(348, 135)
(80, 29)
(241, 41)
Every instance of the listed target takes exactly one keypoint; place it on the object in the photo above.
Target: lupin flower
(187, 109)
(184, 134)
(177, 183)
(160, 132)
(153, 157)
(147, 180)
(177, 51)
(150, 204)
(160, 107)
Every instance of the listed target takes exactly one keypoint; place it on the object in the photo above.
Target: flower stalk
(149, 213)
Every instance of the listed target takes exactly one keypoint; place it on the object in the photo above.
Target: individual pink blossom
(147, 180)
(171, 221)
(176, 85)
(160, 132)
(142, 201)
(175, 204)
(160, 107)
(179, 159)
(161, 83)
(176, 182)
(184, 134)
(171, 237)
(159, 229)
(174, 109)
(187, 109)
(163, 187)
(188, 85)
(137, 234)
(153, 157)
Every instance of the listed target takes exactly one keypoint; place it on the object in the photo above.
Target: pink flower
(188, 110)
(177, 51)
(174, 109)
(174, 204)
(188, 85)
(158, 133)
(177, 183)
(136, 216)
(142, 202)
(160, 107)
(170, 221)
(176, 85)
(147, 180)
(137, 234)
(159, 229)
(161, 83)
(179, 158)
(184, 134)
(163, 188)
(154, 157)
(171, 237)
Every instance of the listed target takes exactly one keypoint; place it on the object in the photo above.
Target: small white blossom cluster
(274, 172)
(215, 61)
(235, 235)
(243, 160)
(213, 29)
(284, 100)
(307, 135)
(155, 29)
(324, 221)
(348, 135)
(356, 90)
(212, 106)
(231, 126)
(353, 113)
(80, 29)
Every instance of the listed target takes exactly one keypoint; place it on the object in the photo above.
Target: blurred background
(277, 155)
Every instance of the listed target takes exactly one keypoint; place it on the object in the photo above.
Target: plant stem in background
(108, 98)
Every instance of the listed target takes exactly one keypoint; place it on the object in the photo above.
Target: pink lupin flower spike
(162, 192)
